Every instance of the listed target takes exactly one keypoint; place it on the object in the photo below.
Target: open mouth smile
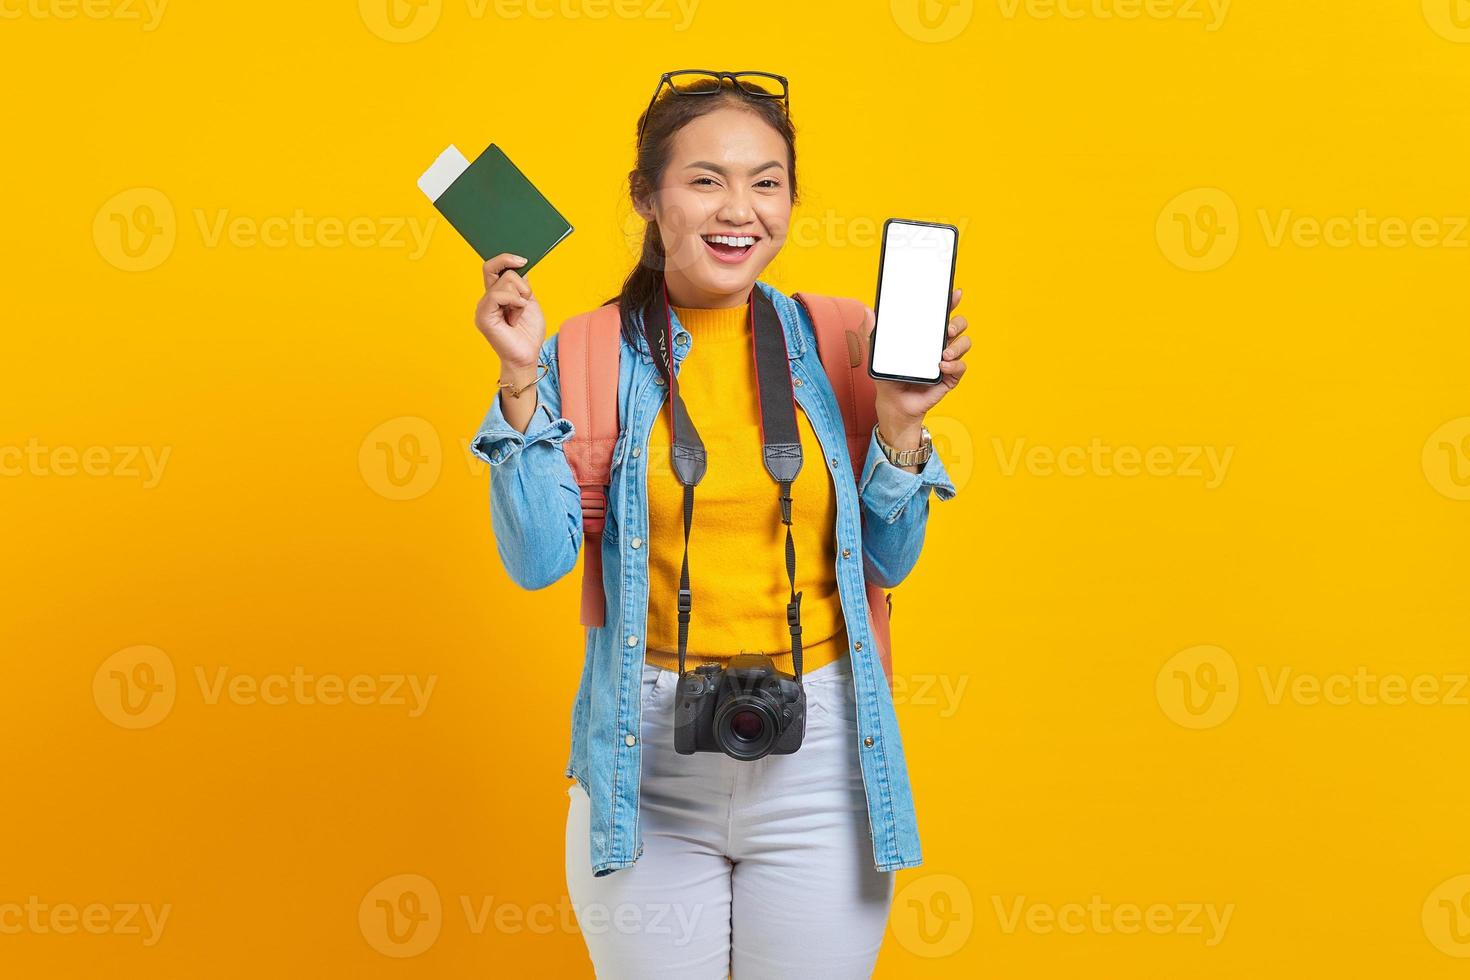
(731, 249)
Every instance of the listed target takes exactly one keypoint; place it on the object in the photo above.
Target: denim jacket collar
(785, 309)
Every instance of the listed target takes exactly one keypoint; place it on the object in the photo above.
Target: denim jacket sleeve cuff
(497, 441)
(888, 489)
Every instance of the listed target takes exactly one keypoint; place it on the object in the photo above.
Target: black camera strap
(780, 440)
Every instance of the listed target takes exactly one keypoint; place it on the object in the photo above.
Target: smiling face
(723, 207)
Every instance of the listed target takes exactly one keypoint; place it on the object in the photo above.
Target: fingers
(957, 326)
(507, 296)
(495, 266)
(517, 282)
(954, 297)
(956, 349)
(952, 370)
(510, 290)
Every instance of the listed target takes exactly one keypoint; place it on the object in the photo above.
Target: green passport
(493, 206)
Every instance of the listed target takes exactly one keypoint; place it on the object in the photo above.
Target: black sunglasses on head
(698, 81)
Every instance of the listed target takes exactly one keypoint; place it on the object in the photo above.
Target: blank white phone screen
(913, 300)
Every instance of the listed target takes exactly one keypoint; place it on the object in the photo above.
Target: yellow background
(1069, 610)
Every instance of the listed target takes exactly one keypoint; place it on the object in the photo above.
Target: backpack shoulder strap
(587, 355)
(844, 329)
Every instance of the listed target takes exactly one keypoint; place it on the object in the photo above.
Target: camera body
(748, 709)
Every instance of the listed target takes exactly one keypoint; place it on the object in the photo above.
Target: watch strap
(906, 457)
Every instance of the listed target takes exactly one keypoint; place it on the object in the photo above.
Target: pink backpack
(587, 359)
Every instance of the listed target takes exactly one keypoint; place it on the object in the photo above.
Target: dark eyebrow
(706, 165)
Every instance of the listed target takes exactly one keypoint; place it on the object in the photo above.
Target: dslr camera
(747, 710)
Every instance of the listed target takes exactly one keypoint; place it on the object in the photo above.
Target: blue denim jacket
(536, 513)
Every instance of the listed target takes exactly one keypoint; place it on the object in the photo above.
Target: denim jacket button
(637, 542)
(868, 741)
(632, 639)
(637, 451)
(630, 741)
(858, 645)
(846, 552)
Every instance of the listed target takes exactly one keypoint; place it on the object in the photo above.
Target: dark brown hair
(642, 290)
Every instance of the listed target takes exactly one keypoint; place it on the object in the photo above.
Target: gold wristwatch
(907, 457)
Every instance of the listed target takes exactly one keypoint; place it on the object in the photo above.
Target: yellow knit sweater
(737, 545)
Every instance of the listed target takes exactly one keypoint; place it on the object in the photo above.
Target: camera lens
(746, 726)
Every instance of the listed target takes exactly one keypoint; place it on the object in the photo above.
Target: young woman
(704, 865)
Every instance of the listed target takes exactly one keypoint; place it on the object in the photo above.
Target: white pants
(749, 869)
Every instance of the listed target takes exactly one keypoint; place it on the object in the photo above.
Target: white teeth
(738, 241)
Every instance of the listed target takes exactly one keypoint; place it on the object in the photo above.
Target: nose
(736, 209)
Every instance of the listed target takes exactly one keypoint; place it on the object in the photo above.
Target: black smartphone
(915, 280)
